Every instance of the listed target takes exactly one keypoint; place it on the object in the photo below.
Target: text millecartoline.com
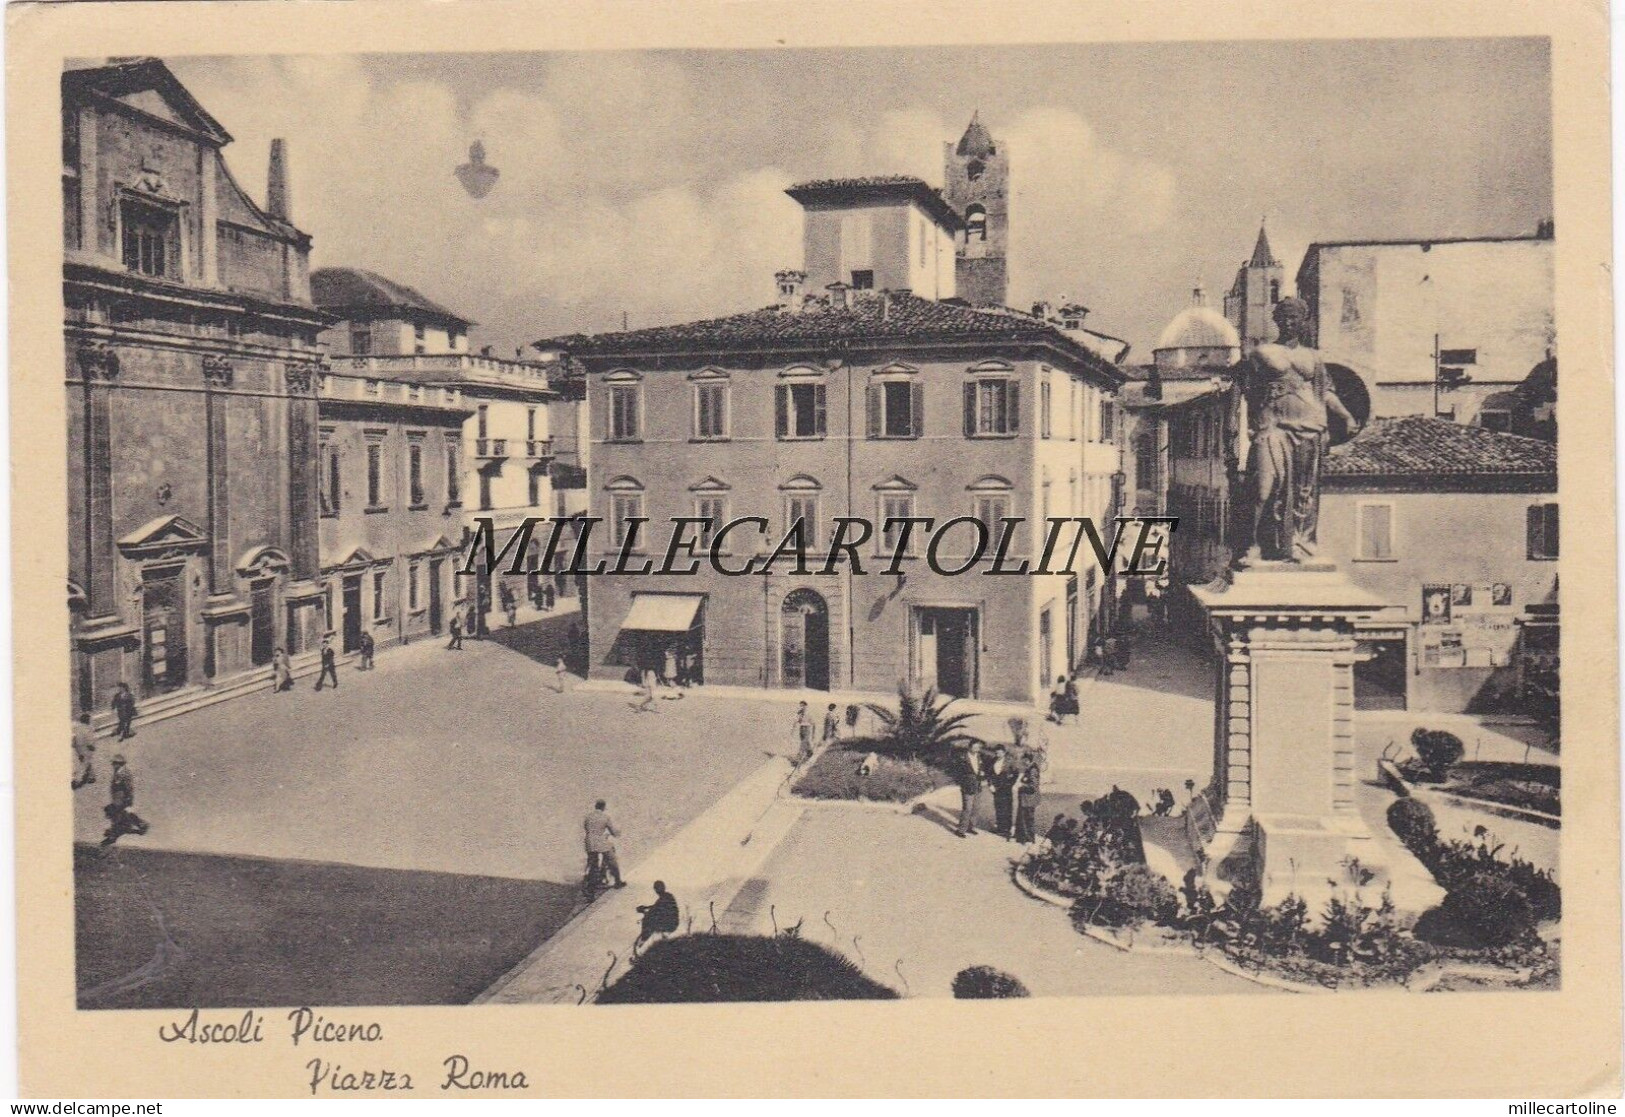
(1136, 547)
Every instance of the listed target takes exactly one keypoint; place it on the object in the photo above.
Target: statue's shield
(1355, 397)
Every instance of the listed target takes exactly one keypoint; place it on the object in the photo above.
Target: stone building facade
(1465, 621)
(389, 331)
(862, 403)
(191, 377)
(391, 512)
(1434, 327)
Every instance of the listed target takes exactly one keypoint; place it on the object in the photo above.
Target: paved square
(462, 762)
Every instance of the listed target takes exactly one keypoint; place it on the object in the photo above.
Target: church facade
(191, 375)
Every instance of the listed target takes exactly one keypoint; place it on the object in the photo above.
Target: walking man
(367, 647)
(970, 789)
(561, 676)
(281, 672)
(121, 817)
(84, 744)
(124, 708)
(804, 734)
(832, 725)
(599, 832)
(330, 664)
(456, 644)
(646, 699)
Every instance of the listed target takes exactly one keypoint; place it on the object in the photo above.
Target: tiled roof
(875, 319)
(350, 291)
(874, 187)
(1416, 445)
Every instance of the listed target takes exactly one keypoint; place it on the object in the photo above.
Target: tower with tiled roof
(1250, 305)
(976, 177)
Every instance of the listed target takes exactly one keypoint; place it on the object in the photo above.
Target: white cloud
(610, 200)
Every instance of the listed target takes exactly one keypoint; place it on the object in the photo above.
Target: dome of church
(1199, 327)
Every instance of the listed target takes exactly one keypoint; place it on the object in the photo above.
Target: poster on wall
(1467, 624)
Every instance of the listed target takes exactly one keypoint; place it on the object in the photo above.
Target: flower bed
(835, 775)
(1534, 787)
(1356, 940)
(1491, 900)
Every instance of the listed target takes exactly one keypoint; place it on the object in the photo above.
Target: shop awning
(662, 612)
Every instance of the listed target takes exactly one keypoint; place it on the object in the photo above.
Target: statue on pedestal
(1293, 416)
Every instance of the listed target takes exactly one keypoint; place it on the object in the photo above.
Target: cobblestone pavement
(460, 761)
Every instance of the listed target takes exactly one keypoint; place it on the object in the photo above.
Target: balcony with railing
(371, 390)
(538, 448)
(462, 368)
(491, 449)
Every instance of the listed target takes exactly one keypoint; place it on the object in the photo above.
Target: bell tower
(1250, 305)
(976, 177)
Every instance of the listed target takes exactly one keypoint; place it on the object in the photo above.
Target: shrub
(1455, 862)
(1485, 910)
(1437, 750)
(834, 775)
(1092, 849)
(921, 724)
(711, 968)
(1412, 821)
(1137, 894)
(982, 983)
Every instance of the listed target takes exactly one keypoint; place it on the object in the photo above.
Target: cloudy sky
(651, 184)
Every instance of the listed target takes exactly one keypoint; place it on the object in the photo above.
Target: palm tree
(921, 724)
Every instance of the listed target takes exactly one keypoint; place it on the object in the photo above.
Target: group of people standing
(1015, 774)
(804, 729)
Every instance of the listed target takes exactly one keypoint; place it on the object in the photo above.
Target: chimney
(790, 282)
(1041, 310)
(840, 295)
(276, 183)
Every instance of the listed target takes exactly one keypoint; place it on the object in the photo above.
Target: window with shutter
(874, 408)
(799, 411)
(1376, 532)
(916, 424)
(992, 407)
(1542, 531)
(623, 413)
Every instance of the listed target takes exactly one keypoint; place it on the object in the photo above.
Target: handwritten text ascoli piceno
(306, 1026)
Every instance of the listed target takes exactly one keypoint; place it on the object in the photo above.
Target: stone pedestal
(1284, 723)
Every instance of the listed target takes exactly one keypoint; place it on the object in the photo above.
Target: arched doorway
(804, 641)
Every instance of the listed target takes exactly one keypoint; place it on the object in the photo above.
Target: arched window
(801, 504)
(991, 501)
(710, 505)
(975, 224)
(1275, 290)
(625, 505)
(894, 500)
